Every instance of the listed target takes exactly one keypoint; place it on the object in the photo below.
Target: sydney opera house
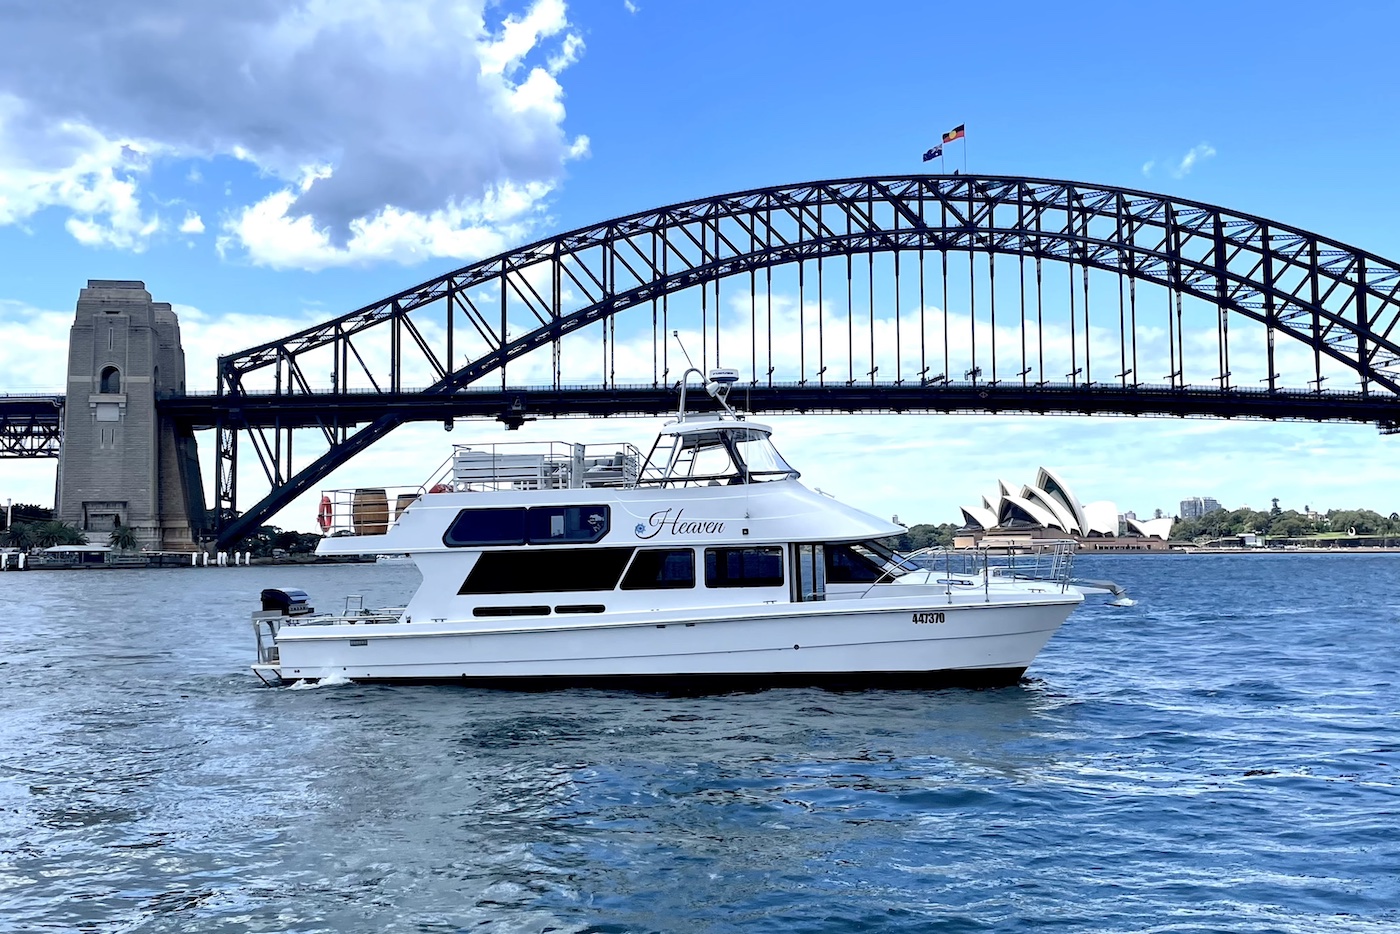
(1049, 509)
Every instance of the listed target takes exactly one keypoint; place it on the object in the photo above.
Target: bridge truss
(922, 293)
(30, 426)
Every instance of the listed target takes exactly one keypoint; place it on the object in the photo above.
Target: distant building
(1198, 506)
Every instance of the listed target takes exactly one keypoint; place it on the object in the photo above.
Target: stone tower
(121, 462)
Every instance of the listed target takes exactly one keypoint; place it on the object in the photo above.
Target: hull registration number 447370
(928, 617)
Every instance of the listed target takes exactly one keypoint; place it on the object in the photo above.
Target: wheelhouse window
(723, 454)
(851, 564)
(865, 563)
(539, 525)
(556, 570)
(744, 567)
(661, 569)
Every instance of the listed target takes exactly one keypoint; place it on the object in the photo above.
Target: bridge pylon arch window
(109, 380)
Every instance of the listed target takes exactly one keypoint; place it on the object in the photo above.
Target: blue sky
(263, 165)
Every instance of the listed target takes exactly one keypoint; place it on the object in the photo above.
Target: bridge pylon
(122, 462)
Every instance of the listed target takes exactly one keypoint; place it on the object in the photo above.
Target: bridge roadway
(513, 405)
(31, 425)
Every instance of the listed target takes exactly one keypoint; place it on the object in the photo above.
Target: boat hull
(830, 645)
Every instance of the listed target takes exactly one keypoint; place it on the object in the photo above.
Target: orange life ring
(324, 515)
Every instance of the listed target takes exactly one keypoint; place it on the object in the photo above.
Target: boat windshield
(710, 456)
(891, 563)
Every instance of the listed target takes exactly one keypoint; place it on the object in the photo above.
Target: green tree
(21, 535)
(28, 512)
(53, 532)
(123, 538)
(1291, 524)
(922, 536)
(1364, 521)
(268, 537)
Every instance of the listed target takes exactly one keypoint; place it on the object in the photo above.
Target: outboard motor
(289, 601)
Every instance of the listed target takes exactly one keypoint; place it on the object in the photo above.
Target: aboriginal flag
(957, 132)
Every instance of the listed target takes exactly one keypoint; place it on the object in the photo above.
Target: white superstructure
(706, 562)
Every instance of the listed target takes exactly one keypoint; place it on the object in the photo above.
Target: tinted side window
(486, 527)
(661, 569)
(541, 525)
(547, 525)
(743, 567)
(845, 565)
(554, 570)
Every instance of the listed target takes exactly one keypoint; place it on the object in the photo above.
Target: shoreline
(1187, 551)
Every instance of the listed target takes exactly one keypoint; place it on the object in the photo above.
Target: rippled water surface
(1222, 756)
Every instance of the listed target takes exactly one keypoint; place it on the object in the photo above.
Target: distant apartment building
(1198, 506)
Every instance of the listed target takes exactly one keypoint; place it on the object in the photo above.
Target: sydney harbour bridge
(926, 293)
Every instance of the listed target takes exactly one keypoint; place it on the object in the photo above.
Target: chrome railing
(985, 566)
(477, 468)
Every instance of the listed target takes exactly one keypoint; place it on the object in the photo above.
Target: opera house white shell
(1152, 528)
(1049, 504)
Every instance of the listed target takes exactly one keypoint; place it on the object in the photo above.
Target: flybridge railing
(986, 565)
(541, 465)
(484, 468)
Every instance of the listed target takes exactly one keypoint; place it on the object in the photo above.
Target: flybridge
(548, 465)
(522, 466)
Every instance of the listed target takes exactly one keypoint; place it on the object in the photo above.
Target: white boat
(706, 564)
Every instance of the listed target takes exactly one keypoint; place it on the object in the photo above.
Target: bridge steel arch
(394, 361)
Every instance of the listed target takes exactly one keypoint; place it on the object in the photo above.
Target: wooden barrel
(369, 513)
(402, 502)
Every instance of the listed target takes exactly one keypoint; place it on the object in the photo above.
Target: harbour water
(1224, 755)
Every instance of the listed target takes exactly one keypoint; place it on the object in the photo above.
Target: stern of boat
(279, 604)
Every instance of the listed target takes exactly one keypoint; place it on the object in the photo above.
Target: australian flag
(934, 153)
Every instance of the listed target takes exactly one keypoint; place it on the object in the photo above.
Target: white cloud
(192, 224)
(567, 55)
(519, 35)
(630, 7)
(74, 166)
(1147, 168)
(363, 115)
(1195, 155)
(33, 347)
(273, 236)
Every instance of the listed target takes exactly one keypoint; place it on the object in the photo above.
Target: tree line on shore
(1222, 523)
(1285, 523)
(36, 527)
(33, 527)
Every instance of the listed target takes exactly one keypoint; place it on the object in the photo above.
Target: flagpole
(964, 142)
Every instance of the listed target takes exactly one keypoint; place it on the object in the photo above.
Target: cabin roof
(693, 425)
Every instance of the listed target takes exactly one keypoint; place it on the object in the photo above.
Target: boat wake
(1123, 601)
(330, 681)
